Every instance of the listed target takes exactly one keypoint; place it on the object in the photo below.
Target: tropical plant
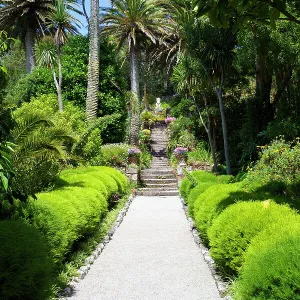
(40, 146)
(25, 17)
(63, 24)
(94, 62)
(135, 23)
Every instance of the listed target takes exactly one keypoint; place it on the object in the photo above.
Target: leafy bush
(114, 155)
(272, 264)
(194, 178)
(41, 146)
(75, 207)
(65, 215)
(26, 270)
(279, 165)
(200, 154)
(232, 231)
(211, 203)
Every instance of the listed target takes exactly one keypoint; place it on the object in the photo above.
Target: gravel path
(152, 256)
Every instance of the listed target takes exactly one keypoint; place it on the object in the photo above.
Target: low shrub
(76, 206)
(65, 215)
(199, 155)
(211, 203)
(272, 264)
(114, 155)
(26, 270)
(279, 166)
(232, 231)
(192, 179)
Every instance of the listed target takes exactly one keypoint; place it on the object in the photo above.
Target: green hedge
(211, 203)
(194, 178)
(75, 207)
(272, 264)
(26, 269)
(232, 231)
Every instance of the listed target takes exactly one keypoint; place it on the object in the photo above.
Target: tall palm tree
(135, 24)
(26, 17)
(63, 23)
(94, 62)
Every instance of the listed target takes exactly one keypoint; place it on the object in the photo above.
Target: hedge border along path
(82, 272)
(221, 285)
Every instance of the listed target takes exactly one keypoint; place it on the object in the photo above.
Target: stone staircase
(160, 179)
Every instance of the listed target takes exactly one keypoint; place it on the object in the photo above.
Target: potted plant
(180, 153)
(133, 155)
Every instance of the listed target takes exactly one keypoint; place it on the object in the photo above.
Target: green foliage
(73, 209)
(199, 155)
(43, 136)
(232, 231)
(279, 165)
(203, 184)
(114, 155)
(147, 118)
(26, 270)
(211, 203)
(272, 264)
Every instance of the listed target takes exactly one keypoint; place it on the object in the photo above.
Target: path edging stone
(83, 270)
(221, 285)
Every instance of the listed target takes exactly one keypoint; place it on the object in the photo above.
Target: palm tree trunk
(29, 45)
(135, 98)
(59, 93)
(93, 67)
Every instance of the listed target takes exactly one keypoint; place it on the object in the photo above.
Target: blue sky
(103, 3)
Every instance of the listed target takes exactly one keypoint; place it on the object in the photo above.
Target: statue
(157, 105)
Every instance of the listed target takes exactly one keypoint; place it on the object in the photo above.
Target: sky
(83, 29)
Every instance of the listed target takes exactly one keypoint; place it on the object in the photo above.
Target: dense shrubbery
(211, 203)
(114, 154)
(26, 269)
(73, 209)
(272, 264)
(232, 231)
(278, 168)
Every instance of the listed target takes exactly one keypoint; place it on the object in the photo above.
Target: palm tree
(63, 23)
(26, 17)
(189, 77)
(136, 23)
(94, 63)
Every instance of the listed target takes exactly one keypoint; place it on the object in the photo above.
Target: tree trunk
(93, 67)
(135, 98)
(224, 129)
(29, 45)
(264, 110)
(208, 131)
(59, 93)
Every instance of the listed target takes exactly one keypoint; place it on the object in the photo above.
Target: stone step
(157, 176)
(160, 181)
(163, 186)
(157, 171)
(156, 192)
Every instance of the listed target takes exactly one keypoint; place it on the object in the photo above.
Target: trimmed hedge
(232, 231)
(26, 268)
(194, 178)
(211, 203)
(272, 264)
(75, 207)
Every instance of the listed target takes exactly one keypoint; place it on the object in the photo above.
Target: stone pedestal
(132, 174)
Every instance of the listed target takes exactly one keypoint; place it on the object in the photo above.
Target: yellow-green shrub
(211, 203)
(66, 215)
(272, 264)
(232, 231)
(26, 269)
